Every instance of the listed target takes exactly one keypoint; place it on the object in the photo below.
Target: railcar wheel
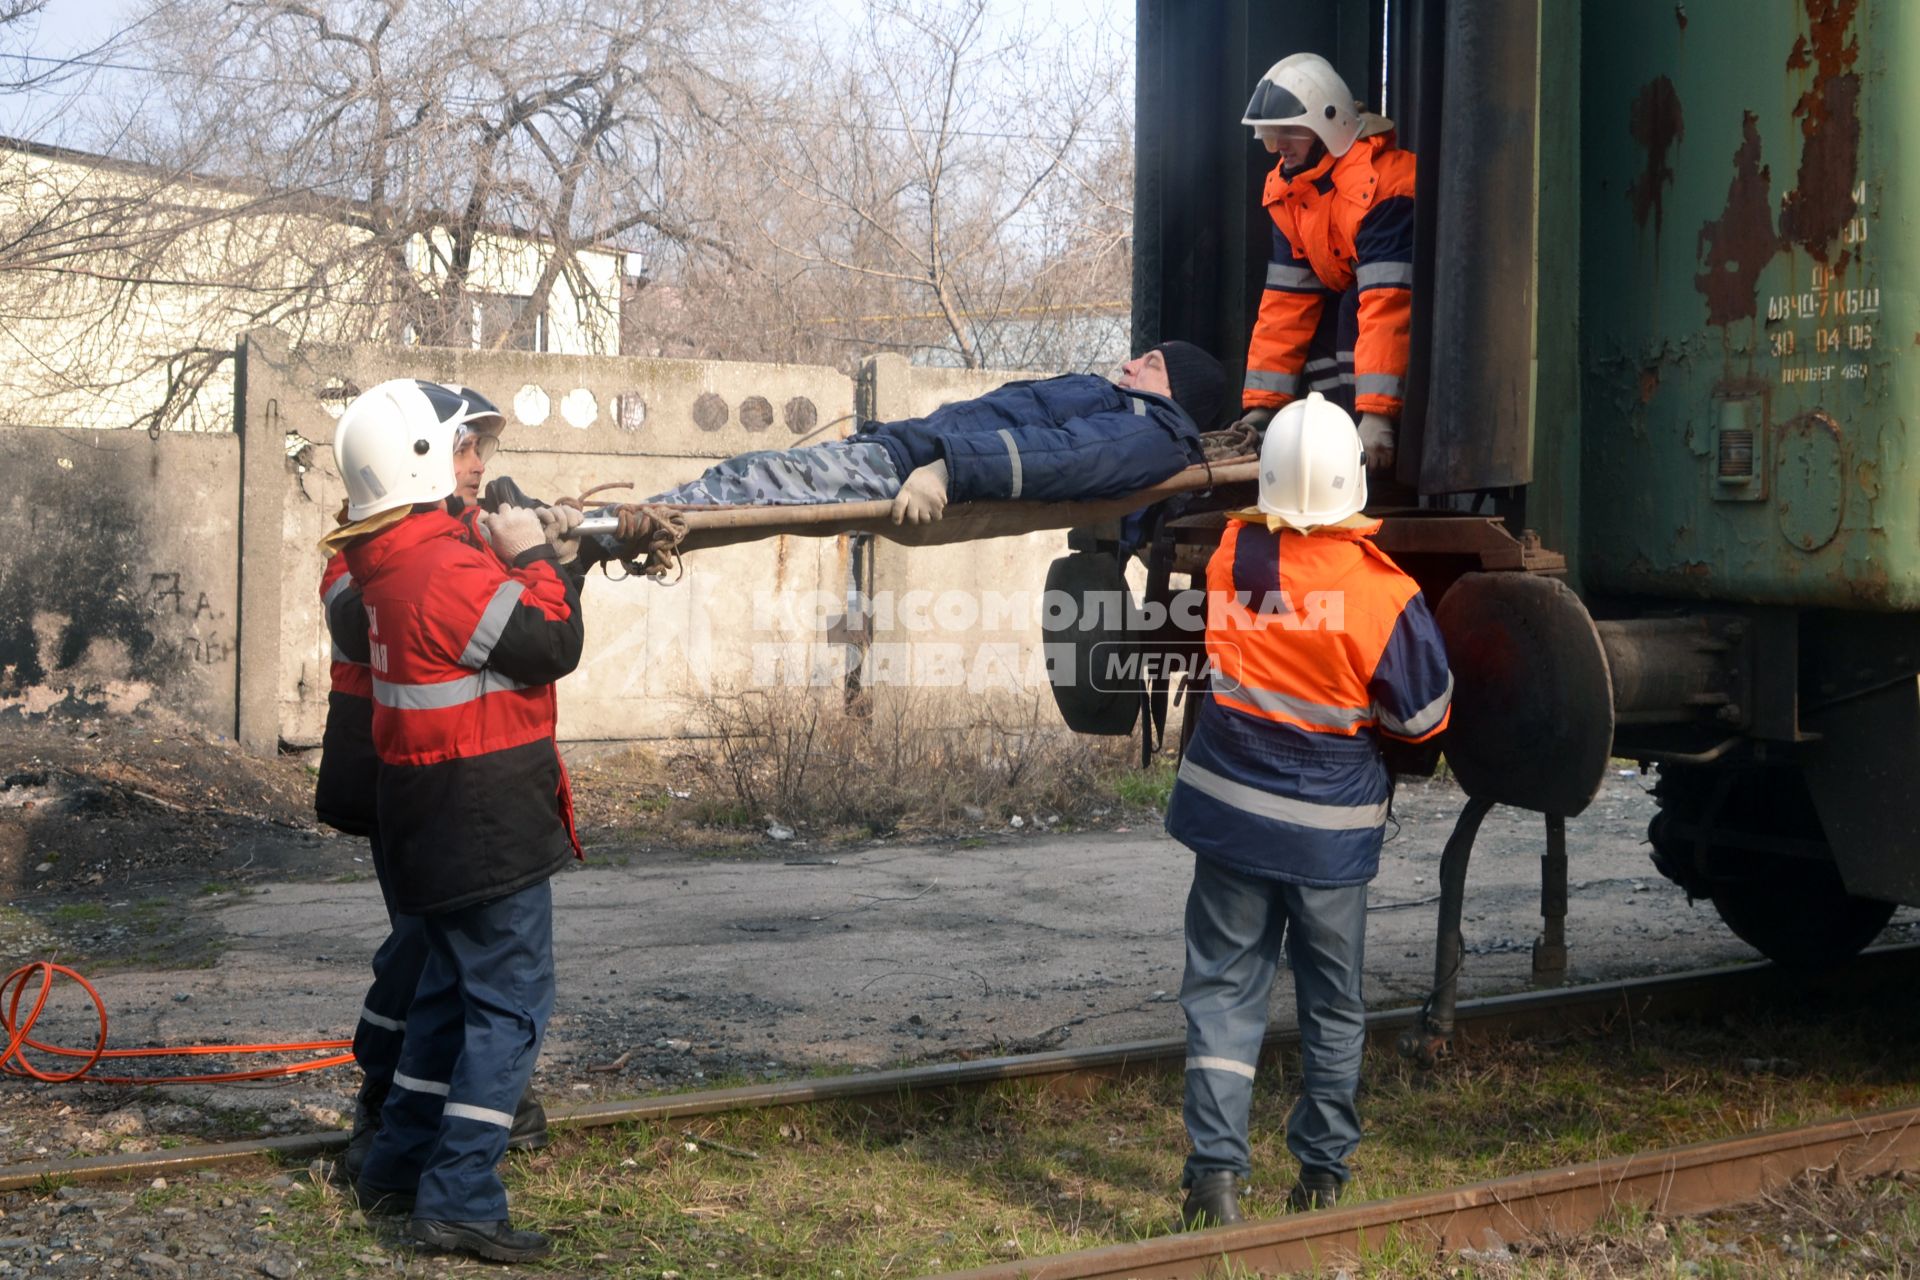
(1093, 685)
(1798, 914)
(1748, 838)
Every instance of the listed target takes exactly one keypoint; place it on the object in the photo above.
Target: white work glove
(923, 498)
(1376, 437)
(1254, 419)
(512, 530)
(559, 522)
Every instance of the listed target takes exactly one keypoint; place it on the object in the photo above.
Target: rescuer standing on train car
(349, 773)
(465, 641)
(1338, 307)
(1317, 644)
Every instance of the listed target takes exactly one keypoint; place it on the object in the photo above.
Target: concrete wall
(654, 652)
(183, 570)
(117, 572)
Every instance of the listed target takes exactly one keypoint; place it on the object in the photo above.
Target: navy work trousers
(396, 972)
(1235, 924)
(473, 1035)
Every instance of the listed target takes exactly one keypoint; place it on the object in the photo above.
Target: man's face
(470, 466)
(1293, 144)
(1146, 372)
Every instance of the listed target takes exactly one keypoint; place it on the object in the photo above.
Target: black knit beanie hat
(1198, 382)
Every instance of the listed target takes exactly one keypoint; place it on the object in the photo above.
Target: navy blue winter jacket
(1058, 440)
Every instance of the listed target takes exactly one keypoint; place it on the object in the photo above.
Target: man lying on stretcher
(1077, 437)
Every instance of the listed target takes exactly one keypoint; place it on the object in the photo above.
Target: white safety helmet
(1303, 90)
(1312, 469)
(394, 445)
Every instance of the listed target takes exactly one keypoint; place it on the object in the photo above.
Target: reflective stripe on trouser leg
(1234, 926)
(1326, 946)
(503, 951)
(410, 1120)
(1339, 320)
(396, 974)
(383, 1014)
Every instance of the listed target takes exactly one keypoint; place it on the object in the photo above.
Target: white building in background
(123, 288)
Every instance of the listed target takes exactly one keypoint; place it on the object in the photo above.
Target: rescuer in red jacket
(1337, 313)
(345, 789)
(465, 641)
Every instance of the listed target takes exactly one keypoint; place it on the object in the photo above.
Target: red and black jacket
(474, 803)
(343, 797)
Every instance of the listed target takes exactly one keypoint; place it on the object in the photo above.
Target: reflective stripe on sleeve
(1384, 273)
(1013, 460)
(1264, 804)
(485, 1115)
(1294, 279)
(438, 697)
(1287, 384)
(1221, 1064)
(371, 1018)
(493, 621)
(1421, 721)
(1380, 384)
(407, 1082)
(340, 584)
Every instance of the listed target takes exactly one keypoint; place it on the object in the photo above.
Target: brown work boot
(1212, 1201)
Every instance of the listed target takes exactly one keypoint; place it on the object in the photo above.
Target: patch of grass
(906, 1186)
(1145, 788)
(72, 913)
(213, 887)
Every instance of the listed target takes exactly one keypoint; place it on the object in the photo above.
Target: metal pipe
(1664, 670)
(1550, 948)
(1429, 1041)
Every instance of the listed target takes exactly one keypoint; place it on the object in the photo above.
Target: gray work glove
(1253, 420)
(512, 530)
(559, 522)
(1376, 437)
(923, 498)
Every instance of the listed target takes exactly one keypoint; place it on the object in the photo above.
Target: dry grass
(924, 1184)
(913, 759)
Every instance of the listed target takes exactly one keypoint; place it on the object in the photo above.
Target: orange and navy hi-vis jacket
(473, 800)
(1342, 224)
(343, 795)
(1316, 644)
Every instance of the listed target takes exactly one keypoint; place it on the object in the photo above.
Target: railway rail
(1894, 969)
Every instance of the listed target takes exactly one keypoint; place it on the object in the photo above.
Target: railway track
(1682, 1180)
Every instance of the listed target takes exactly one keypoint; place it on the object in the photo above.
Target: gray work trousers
(832, 471)
(1235, 924)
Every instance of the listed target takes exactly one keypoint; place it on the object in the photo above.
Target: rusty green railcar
(1657, 464)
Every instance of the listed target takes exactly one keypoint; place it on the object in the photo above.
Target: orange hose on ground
(17, 1031)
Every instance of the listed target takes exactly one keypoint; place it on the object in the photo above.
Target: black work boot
(366, 1126)
(1317, 1189)
(529, 1131)
(494, 1241)
(389, 1204)
(1212, 1201)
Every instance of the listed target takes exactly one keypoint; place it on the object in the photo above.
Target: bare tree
(934, 181)
(357, 163)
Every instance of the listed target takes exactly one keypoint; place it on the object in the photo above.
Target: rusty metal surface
(1885, 968)
(1680, 1180)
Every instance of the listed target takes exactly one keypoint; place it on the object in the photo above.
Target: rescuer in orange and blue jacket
(1317, 645)
(465, 641)
(1337, 312)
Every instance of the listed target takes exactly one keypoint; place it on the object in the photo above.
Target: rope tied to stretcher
(650, 537)
(1236, 441)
